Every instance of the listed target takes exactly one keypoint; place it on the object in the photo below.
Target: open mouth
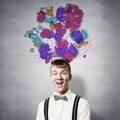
(59, 83)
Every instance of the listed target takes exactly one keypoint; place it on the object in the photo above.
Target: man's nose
(59, 76)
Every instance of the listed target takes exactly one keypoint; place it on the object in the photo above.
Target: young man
(63, 104)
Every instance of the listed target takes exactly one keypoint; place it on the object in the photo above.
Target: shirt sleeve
(83, 110)
(40, 112)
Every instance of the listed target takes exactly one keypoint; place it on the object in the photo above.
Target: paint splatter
(59, 33)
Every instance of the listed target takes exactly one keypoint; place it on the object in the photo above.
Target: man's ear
(70, 76)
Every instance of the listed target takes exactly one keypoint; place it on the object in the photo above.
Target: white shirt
(62, 110)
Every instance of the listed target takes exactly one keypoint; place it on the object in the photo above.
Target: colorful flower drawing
(59, 33)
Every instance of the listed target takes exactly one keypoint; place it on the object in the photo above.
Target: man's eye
(64, 73)
(54, 73)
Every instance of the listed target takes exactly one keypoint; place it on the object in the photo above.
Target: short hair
(61, 63)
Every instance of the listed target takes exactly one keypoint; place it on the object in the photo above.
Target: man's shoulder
(43, 101)
(83, 100)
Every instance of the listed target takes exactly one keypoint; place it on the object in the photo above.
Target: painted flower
(60, 14)
(58, 37)
(46, 33)
(84, 33)
(72, 50)
(41, 16)
(62, 44)
(77, 36)
(73, 18)
(45, 51)
(60, 29)
(68, 56)
(60, 51)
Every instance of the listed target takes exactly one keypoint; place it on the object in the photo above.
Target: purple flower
(45, 51)
(72, 50)
(77, 36)
(71, 53)
(58, 37)
(60, 14)
(60, 51)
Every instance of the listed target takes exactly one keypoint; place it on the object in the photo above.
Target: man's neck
(62, 93)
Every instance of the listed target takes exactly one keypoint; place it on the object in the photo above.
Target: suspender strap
(46, 104)
(75, 106)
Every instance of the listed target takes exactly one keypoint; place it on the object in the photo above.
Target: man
(63, 104)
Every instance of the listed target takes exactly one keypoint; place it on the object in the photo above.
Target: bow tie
(56, 97)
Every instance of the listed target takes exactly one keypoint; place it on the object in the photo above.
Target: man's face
(60, 78)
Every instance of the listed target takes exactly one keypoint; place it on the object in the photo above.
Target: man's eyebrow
(65, 70)
(61, 71)
(53, 71)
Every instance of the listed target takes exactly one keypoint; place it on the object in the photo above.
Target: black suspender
(75, 106)
(74, 112)
(46, 104)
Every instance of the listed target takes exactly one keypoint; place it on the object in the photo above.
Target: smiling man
(63, 104)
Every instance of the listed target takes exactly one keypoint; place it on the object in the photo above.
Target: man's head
(60, 72)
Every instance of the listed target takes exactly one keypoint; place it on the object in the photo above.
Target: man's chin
(60, 90)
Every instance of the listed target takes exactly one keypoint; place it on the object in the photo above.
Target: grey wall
(24, 80)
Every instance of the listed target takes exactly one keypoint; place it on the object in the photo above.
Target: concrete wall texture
(24, 79)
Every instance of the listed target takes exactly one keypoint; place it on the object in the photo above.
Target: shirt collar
(68, 94)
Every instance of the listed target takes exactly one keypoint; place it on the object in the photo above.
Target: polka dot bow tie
(56, 97)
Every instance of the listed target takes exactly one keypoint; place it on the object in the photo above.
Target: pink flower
(62, 43)
(41, 16)
(73, 19)
(46, 33)
(68, 56)
(60, 29)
